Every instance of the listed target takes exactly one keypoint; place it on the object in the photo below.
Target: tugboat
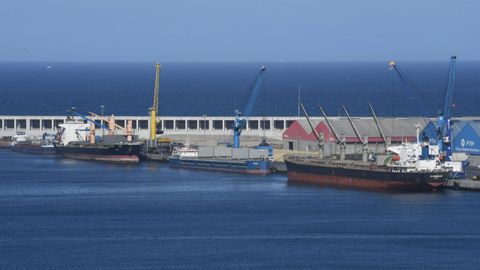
(77, 140)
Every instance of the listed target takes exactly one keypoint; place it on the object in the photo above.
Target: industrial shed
(299, 136)
(466, 138)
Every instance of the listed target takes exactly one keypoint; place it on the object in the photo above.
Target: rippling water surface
(58, 213)
(220, 88)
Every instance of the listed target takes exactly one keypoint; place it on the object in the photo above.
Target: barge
(222, 159)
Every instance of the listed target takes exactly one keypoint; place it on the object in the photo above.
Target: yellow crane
(154, 108)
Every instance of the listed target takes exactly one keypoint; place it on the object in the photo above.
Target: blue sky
(243, 30)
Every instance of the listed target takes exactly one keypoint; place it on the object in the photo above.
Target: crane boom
(450, 87)
(310, 123)
(337, 137)
(444, 124)
(106, 120)
(340, 141)
(363, 140)
(154, 108)
(353, 126)
(384, 138)
(320, 139)
(156, 88)
(89, 120)
(247, 112)
(241, 117)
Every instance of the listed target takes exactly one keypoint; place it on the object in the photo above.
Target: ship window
(192, 124)
(1, 123)
(217, 124)
(120, 123)
(9, 123)
(265, 124)
(290, 145)
(229, 124)
(180, 124)
(159, 125)
(34, 124)
(143, 124)
(47, 124)
(278, 124)
(204, 124)
(253, 124)
(289, 123)
(21, 124)
(168, 124)
(57, 122)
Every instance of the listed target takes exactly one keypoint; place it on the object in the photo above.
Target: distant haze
(246, 30)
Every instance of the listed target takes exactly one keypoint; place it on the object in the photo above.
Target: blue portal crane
(241, 118)
(444, 127)
(102, 126)
(412, 90)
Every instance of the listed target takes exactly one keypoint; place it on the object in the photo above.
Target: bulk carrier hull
(301, 171)
(36, 149)
(260, 167)
(122, 153)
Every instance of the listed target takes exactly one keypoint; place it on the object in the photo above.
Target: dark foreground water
(68, 214)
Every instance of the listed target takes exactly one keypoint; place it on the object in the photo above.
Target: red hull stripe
(108, 158)
(342, 181)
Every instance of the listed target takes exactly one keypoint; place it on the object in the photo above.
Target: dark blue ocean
(220, 88)
(66, 214)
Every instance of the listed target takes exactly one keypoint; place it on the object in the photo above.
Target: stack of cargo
(226, 159)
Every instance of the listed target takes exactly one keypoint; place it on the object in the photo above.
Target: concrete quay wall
(268, 126)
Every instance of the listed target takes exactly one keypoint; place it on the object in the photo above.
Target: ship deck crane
(320, 138)
(377, 123)
(241, 118)
(363, 139)
(340, 140)
(89, 119)
(106, 119)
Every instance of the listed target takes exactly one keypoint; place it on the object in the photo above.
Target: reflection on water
(78, 214)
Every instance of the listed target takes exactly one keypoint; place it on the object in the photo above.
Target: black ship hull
(36, 149)
(118, 153)
(363, 178)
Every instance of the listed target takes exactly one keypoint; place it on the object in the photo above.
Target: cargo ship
(222, 159)
(33, 145)
(78, 141)
(354, 174)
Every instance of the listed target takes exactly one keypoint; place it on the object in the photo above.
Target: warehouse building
(299, 135)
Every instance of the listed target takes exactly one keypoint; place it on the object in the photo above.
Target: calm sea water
(220, 88)
(66, 214)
